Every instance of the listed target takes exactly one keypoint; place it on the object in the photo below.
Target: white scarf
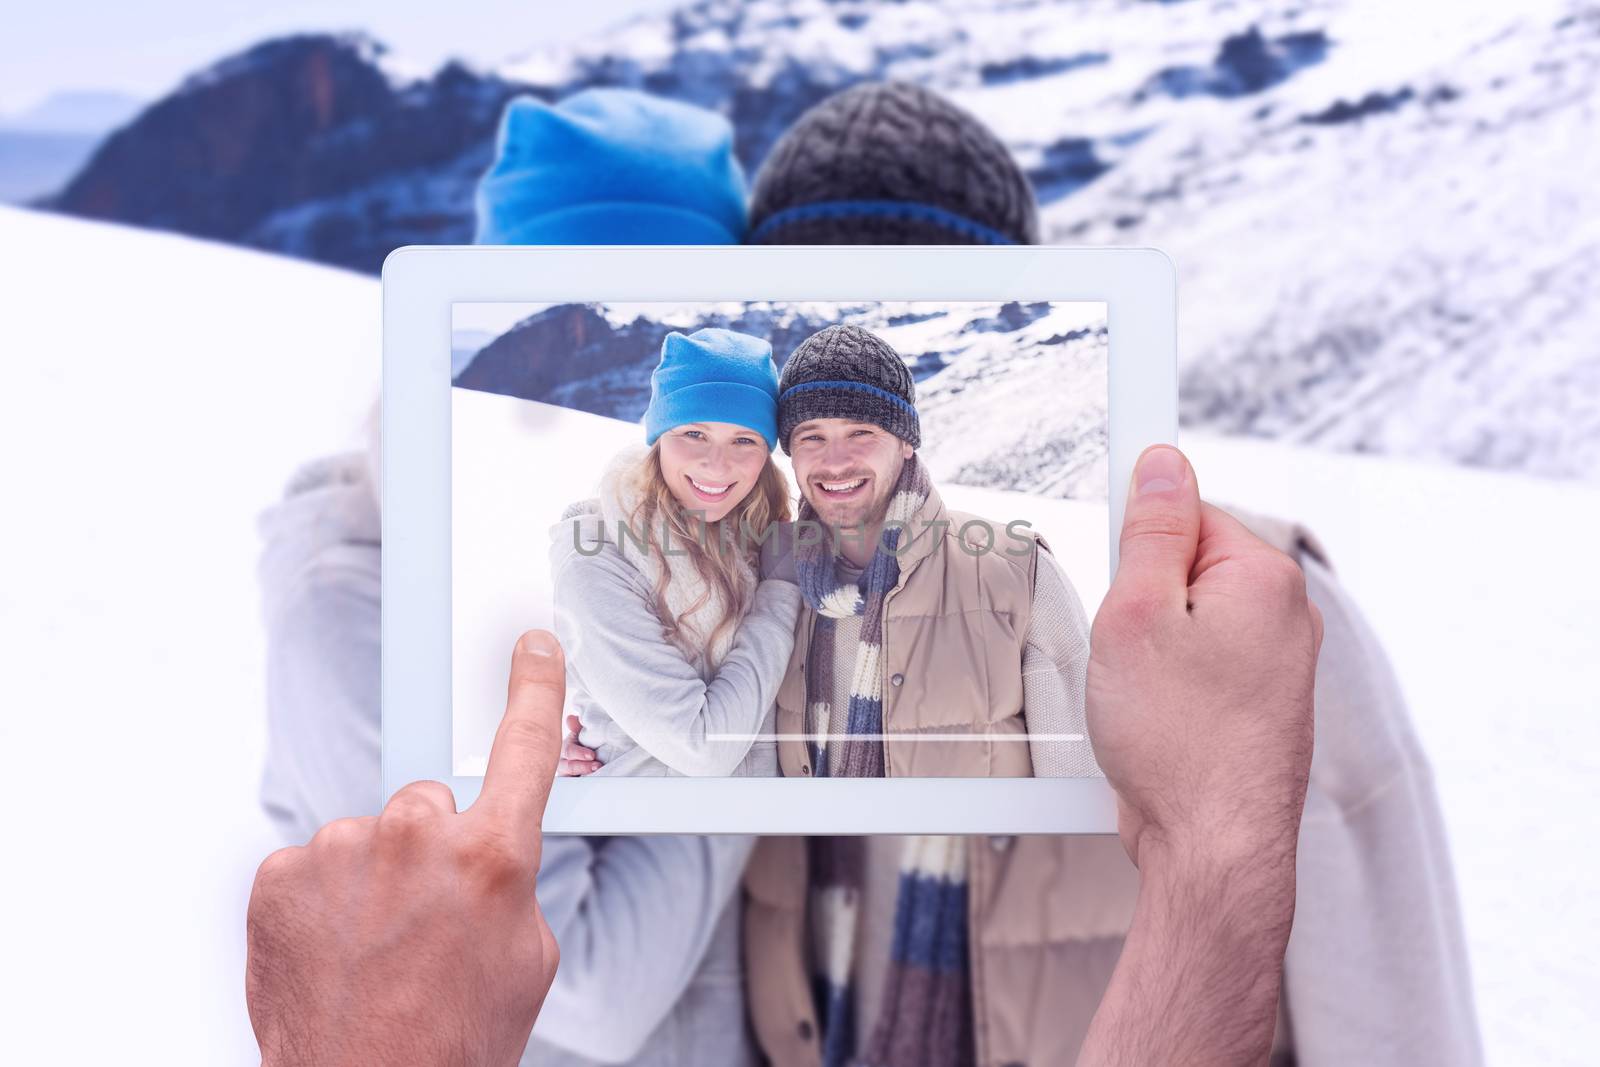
(685, 586)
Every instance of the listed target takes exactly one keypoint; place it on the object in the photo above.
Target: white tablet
(515, 378)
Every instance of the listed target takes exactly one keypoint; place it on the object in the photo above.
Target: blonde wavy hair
(714, 549)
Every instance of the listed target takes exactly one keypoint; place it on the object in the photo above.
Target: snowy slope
(173, 385)
(159, 392)
(1385, 216)
(1395, 250)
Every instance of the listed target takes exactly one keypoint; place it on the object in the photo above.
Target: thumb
(1160, 532)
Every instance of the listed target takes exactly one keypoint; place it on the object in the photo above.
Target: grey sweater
(645, 708)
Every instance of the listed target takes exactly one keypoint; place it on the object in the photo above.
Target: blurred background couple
(936, 951)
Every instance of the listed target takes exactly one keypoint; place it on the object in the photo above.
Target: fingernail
(1161, 470)
(538, 643)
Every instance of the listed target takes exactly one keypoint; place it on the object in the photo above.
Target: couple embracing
(880, 635)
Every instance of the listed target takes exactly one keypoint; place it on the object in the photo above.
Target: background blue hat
(714, 376)
(611, 166)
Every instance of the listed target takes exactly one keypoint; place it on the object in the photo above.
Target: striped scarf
(926, 1017)
(859, 754)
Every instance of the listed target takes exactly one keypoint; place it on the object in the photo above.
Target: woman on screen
(676, 641)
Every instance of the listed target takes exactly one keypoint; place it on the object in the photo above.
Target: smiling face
(711, 466)
(846, 469)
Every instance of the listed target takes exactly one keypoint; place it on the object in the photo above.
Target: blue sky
(144, 49)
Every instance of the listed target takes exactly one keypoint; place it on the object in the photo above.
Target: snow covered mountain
(981, 370)
(316, 146)
(1384, 216)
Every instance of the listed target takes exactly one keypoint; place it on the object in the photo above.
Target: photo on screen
(962, 654)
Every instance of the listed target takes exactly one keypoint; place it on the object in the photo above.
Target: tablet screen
(956, 646)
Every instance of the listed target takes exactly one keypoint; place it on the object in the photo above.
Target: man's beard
(843, 518)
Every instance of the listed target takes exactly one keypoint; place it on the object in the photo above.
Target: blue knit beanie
(611, 166)
(714, 375)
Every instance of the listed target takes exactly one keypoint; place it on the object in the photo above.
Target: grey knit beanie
(891, 164)
(845, 372)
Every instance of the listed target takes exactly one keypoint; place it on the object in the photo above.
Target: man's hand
(413, 936)
(576, 760)
(1203, 657)
(777, 554)
(1202, 664)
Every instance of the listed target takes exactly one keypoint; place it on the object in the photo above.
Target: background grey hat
(891, 164)
(845, 372)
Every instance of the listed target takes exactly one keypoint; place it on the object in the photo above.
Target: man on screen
(932, 643)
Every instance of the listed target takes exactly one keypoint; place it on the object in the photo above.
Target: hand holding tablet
(1200, 703)
(1200, 685)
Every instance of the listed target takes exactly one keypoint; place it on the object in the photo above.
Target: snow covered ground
(160, 390)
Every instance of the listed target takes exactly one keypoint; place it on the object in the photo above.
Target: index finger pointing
(522, 762)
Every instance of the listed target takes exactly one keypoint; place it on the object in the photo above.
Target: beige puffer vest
(955, 628)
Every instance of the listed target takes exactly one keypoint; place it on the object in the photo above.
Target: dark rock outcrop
(289, 123)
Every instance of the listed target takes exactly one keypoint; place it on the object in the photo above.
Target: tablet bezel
(420, 285)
